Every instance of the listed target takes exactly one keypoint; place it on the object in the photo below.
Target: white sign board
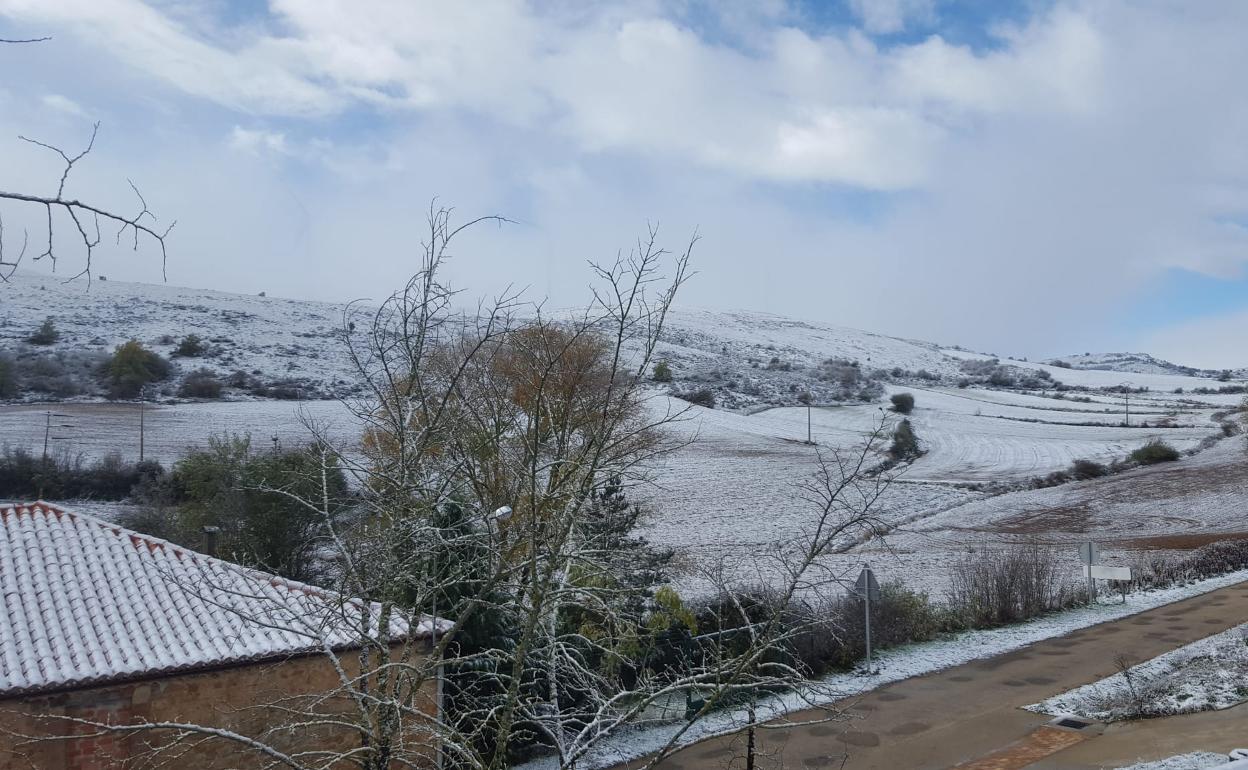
(1089, 553)
(1100, 572)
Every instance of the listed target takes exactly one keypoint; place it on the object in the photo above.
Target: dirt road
(963, 714)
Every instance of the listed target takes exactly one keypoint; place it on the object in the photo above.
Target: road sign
(865, 586)
(867, 589)
(1089, 553)
(1101, 572)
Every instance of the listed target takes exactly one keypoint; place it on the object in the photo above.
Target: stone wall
(224, 698)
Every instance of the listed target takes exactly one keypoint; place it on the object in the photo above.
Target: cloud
(256, 141)
(1216, 342)
(797, 106)
(889, 16)
(64, 104)
(1014, 198)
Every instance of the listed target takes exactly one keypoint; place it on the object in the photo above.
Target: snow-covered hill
(273, 341)
(1139, 363)
(261, 346)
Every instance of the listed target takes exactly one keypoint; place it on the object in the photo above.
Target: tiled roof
(85, 601)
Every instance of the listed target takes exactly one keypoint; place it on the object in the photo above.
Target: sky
(1030, 178)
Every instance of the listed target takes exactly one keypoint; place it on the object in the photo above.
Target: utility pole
(142, 429)
(809, 437)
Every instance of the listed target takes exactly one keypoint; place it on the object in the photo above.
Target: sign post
(1101, 572)
(1090, 554)
(867, 588)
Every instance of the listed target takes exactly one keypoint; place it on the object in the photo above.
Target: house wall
(219, 698)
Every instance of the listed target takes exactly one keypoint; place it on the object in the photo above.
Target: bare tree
(487, 435)
(85, 217)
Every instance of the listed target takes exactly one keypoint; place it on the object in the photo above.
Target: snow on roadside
(1196, 760)
(894, 665)
(1205, 675)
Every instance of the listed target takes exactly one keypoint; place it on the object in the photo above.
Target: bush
(1155, 569)
(905, 443)
(1087, 469)
(191, 346)
(46, 334)
(662, 372)
(60, 374)
(903, 403)
(702, 397)
(201, 383)
(8, 378)
(226, 486)
(993, 588)
(66, 477)
(281, 390)
(830, 635)
(133, 366)
(1155, 451)
(1001, 378)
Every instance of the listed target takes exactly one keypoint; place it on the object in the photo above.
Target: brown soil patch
(1074, 518)
(1184, 542)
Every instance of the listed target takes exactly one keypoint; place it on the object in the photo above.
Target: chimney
(210, 539)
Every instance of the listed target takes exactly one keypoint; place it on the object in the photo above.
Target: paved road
(969, 712)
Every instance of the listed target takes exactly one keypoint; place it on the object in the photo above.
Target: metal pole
(867, 617)
(47, 430)
(809, 439)
(750, 745)
(142, 430)
(1091, 585)
(433, 644)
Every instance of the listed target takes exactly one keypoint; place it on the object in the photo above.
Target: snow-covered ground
(1196, 760)
(894, 665)
(735, 489)
(94, 430)
(1099, 378)
(736, 486)
(763, 335)
(1124, 362)
(1211, 673)
(279, 338)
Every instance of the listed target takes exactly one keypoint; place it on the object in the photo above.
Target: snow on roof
(85, 601)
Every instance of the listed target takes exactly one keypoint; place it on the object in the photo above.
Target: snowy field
(94, 430)
(736, 487)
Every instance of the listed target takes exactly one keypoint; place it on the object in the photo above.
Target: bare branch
(142, 223)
